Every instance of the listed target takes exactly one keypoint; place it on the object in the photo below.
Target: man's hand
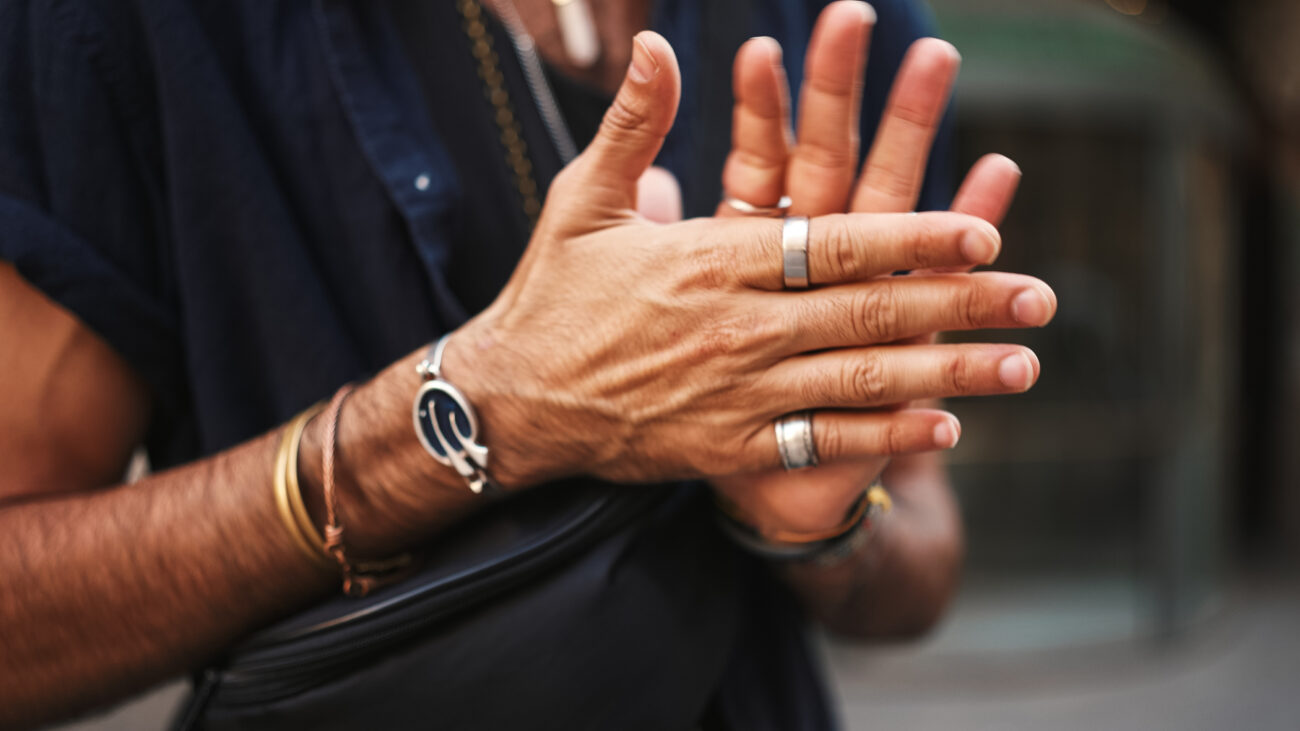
(636, 351)
(818, 172)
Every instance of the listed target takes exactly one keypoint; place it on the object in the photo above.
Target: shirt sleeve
(77, 216)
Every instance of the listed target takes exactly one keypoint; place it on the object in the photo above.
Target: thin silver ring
(781, 208)
(794, 249)
(794, 439)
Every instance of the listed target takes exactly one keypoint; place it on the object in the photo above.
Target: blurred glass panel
(1095, 502)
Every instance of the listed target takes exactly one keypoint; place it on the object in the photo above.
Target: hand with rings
(772, 172)
(636, 351)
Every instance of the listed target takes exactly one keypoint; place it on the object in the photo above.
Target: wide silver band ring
(794, 439)
(794, 252)
(781, 208)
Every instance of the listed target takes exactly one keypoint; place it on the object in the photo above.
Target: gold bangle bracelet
(879, 499)
(299, 507)
(283, 501)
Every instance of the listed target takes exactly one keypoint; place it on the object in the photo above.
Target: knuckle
(829, 160)
(833, 87)
(959, 375)
(838, 253)
(704, 458)
(709, 267)
(735, 334)
(969, 307)
(915, 119)
(717, 340)
(768, 334)
(930, 245)
(890, 182)
(624, 118)
(757, 161)
(895, 437)
(864, 380)
(875, 314)
(830, 439)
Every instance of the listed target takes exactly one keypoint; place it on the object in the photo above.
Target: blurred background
(1134, 522)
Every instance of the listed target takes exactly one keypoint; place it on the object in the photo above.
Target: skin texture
(681, 395)
(678, 350)
(110, 589)
(900, 582)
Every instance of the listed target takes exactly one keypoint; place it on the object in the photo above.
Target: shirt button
(422, 182)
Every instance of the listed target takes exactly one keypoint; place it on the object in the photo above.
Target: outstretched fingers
(761, 137)
(842, 435)
(853, 247)
(895, 167)
(891, 309)
(988, 189)
(863, 378)
(986, 193)
(825, 158)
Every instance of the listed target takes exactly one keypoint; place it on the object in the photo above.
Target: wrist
(391, 494)
(520, 442)
(804, 501)
(826, 547)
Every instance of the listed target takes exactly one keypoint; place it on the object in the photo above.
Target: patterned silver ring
(781, 208)
(794, 439)
(794, 252)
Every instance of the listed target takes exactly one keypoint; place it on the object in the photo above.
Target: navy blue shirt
(250, 202)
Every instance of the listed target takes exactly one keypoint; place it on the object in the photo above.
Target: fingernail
(1030, 307)
(1016, 372)
(773, 47)
(979, 246)
(864, 9)
(946, 434)
(644, 67)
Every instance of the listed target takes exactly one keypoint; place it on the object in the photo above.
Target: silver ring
(794, 248)
(794, 438)
(781, 208)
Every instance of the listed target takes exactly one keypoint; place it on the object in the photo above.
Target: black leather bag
(516, 613)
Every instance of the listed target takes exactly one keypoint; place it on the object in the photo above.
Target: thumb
(634, 126)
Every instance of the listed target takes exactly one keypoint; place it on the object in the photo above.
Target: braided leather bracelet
(359, 579)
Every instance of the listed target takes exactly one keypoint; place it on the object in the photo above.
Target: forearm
(902, 577)
(110, 591)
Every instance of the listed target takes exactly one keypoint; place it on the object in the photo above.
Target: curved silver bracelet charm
(794, 250)
(794, 439)
(447, 425)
